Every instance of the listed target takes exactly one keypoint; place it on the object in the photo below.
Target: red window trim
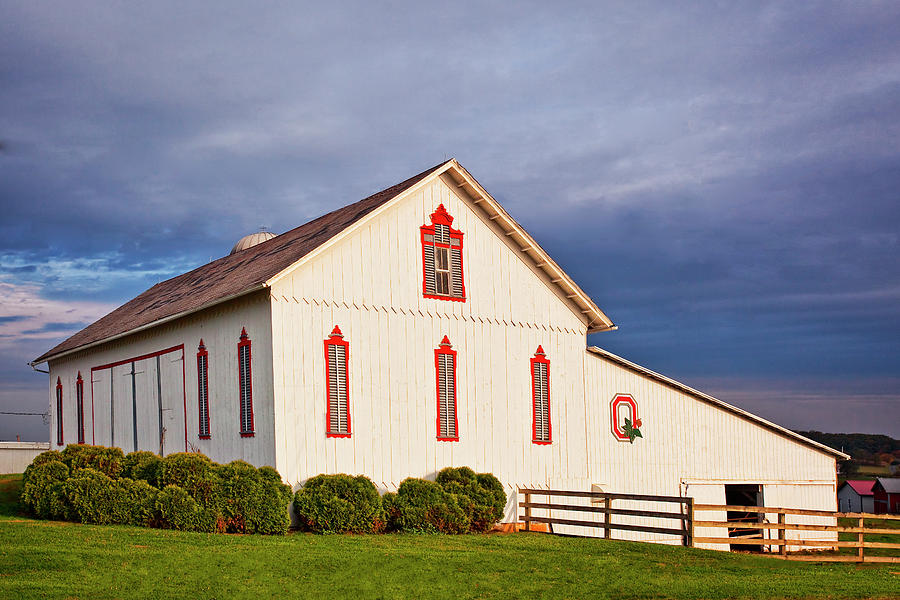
(445, 348)
(441, 217)
(245, 341)
(540, 357)
(337, 339)
(79, 407)
(201, 352)
(59, 412)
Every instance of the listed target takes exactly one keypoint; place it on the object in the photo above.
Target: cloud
(722, 179)
(27, 316)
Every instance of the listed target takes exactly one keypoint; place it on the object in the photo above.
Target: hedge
(94, 484)
(339, 504)
(458, 501)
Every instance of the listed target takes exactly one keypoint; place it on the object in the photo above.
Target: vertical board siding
(108, 391)
(693, 448)
(370, 284)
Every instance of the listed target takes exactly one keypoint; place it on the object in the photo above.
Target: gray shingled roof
(890, 484)
(228, 276)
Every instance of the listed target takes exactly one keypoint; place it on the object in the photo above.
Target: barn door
(170, 399)
(138, 403)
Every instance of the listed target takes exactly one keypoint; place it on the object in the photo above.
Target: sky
(722, 178)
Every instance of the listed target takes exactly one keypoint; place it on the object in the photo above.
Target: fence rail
(783, 541)
(683, 515)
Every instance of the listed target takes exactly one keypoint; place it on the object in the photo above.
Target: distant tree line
(863, 448)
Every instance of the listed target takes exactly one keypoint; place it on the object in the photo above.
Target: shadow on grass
(10, 486)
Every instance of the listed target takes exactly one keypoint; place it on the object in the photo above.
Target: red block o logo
(622, 407)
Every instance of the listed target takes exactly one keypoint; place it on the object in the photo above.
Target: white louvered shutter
(337, 389)
(456, 289)
(59, 416)
(203, 394)
(246, 393)
(79, 406)
(541, 402)
(428, 256)
(447, 396)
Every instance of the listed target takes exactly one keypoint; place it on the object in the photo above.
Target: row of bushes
(459, 501)
(189, 492)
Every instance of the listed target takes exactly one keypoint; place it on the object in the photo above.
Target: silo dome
(251, 240)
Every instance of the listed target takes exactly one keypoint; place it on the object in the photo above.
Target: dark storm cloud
(721, 178)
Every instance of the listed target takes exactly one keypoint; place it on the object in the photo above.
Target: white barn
(418, 328)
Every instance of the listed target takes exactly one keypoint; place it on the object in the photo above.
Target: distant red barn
(887, 495)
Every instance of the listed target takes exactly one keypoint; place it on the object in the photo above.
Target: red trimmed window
(79, 406)
(59, 413)
(203, 389)
(337, 410)
(245, 384)
(541, 432)
(442, 258)
(445, 369)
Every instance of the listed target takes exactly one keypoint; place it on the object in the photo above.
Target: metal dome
(248, 241)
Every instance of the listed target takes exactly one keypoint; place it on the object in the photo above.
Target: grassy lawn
(45, 559)
(873, 537)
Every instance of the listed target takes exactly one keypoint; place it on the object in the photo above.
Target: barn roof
(891, 485)
(861, 487)
(256, 267)
(714, 401)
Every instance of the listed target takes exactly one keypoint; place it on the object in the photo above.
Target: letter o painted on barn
(622, 406)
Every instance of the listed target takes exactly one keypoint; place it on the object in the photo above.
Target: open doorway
(745, 494)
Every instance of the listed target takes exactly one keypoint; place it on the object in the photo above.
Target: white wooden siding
(220, 329)
(690, 447)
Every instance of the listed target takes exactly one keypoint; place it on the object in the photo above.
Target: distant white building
(418, 328)
(856, 496)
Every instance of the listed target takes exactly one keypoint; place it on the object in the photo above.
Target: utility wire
(23, 414)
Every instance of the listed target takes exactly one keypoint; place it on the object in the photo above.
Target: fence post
(527, 511)
(606, 517)
(782, 533)
(687, 523)
(861, 539)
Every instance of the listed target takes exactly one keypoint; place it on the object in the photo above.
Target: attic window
(442, 258)
(540, 397)
(445, 370)
(59, 412)
(337, 353)
(245, 385)
(79, 406)
(203, 390)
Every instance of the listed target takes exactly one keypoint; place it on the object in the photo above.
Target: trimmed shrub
(198, 476)
(480, 495)
(43, 488)
(143, 466)
(95, 498)
(109, 461)
(269, 474)
(45, 457)
(339, 504)
(175, 509)
(255, 501)
(422, 505)
(139, 500)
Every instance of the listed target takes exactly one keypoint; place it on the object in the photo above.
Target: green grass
(867, 471)
(46, 559)
(873, 537)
